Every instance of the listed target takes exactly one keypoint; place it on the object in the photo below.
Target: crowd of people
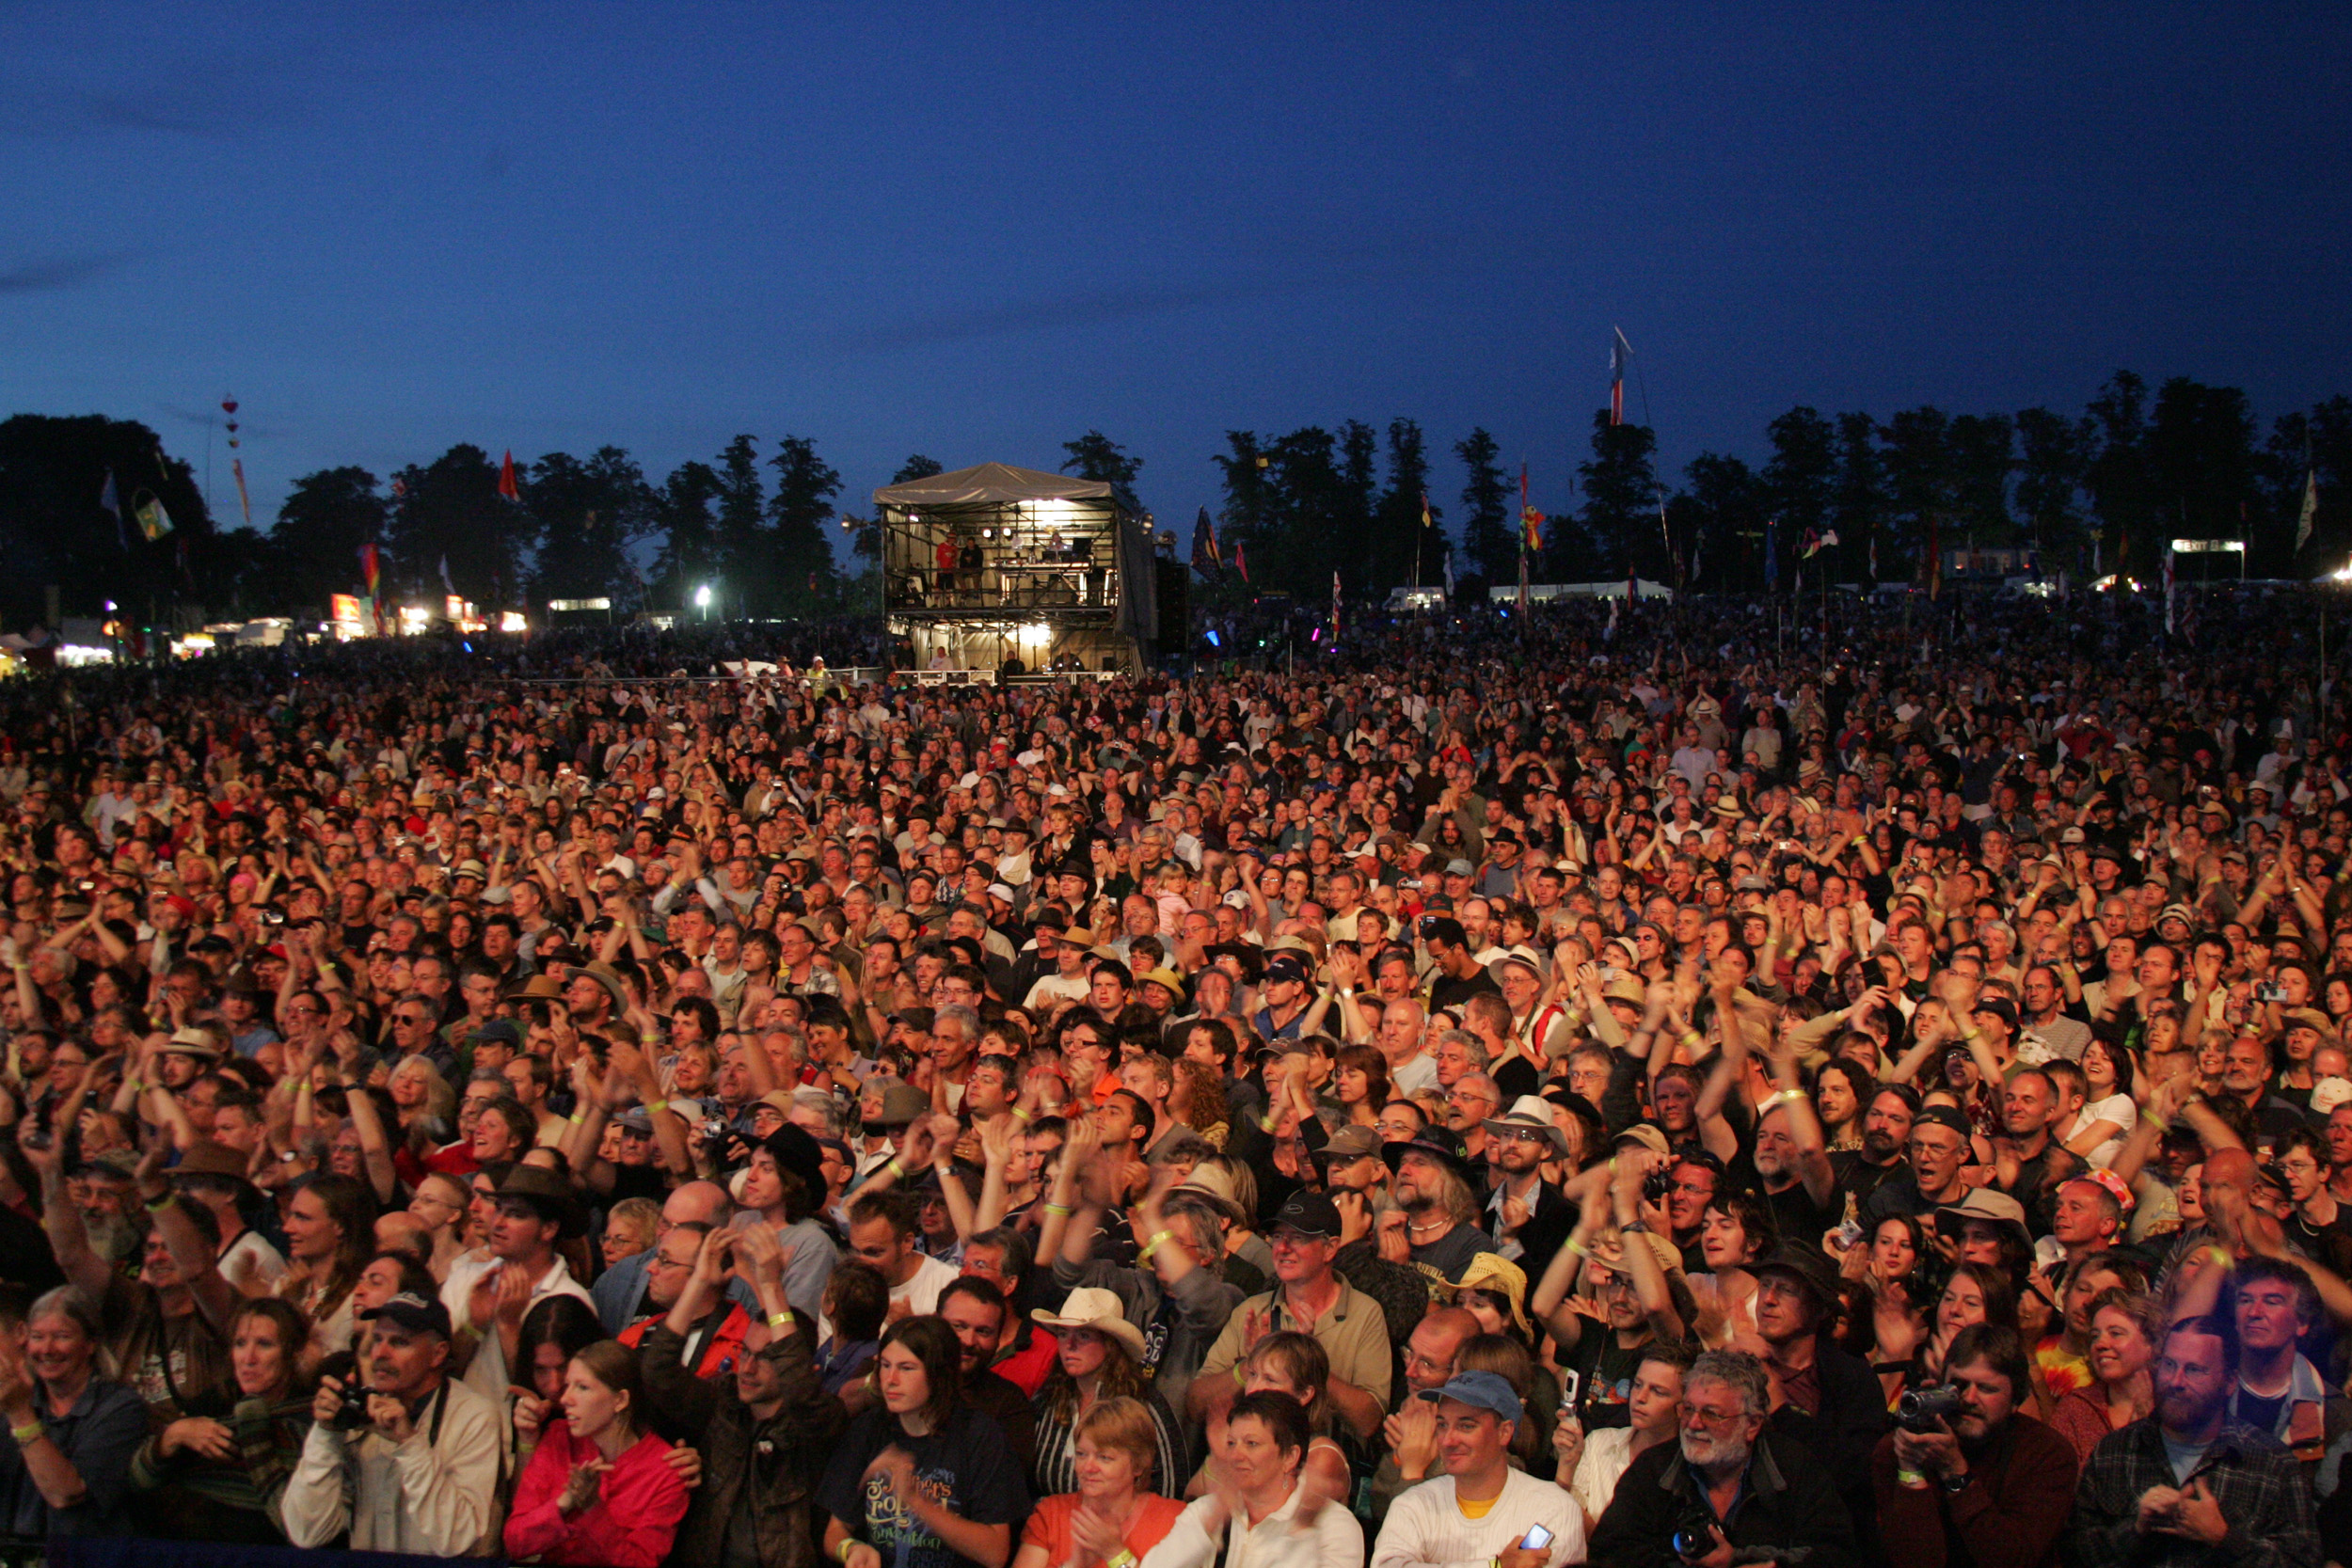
(1643, 1089)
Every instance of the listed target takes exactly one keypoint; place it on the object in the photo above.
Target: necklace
(1440, 1223)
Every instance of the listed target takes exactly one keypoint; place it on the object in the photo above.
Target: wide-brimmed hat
(1611, 1255)
(610, 978)
(193, 1042)
(1089, 1306)
(1986, 1205)
(550, 1193)
(902, 1104)
(1530, 1113)
(1807, 1265)
(1490, 1270)
(1440, 1143)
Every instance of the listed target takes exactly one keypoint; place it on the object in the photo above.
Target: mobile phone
(1537, 1539)
(2270, 990)
(1571, 1385)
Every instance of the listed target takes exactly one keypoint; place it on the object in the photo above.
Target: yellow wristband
(893, 1166)
(1021, 1115)
(27, 1435)
(848, 1545)
(1120, 1559)
(780, 1322)
(1576, 1248)
(1144, 1254)
(1059, 1209)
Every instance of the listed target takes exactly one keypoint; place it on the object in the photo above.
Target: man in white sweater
(1481, 1512)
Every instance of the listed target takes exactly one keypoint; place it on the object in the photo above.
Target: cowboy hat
(1529, 1113)
(1097, 1309)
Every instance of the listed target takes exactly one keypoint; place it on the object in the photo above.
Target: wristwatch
(1955, 1485)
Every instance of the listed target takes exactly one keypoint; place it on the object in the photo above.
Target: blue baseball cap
(1481, 1391)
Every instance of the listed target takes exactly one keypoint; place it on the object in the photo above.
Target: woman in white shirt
(1255, 1505)
(1591, 1464)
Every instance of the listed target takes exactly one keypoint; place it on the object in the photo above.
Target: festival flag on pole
(1815, 542)
(371, 567)
(1531, 520)
(2167, 577)
(1935, 557)
(1424, 511)
(1772, 558)
(1205, 559)
(506, 479)
(236, 466)
(153, 520)
(1241, 562)
(111, 502)
(2310, 508)
(447, 587)
(1619, 352)
(1448, 571)
(1335, 604)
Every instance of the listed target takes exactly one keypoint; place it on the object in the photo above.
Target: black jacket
(1787, 1502)
(783, 1460)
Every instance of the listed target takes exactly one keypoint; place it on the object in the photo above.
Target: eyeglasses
(1705, 1417)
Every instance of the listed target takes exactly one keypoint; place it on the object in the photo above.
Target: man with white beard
(1728, 1486)
(1791, 1160)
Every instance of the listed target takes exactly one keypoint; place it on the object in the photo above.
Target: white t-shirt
(921, 1291)
(2117, 1108)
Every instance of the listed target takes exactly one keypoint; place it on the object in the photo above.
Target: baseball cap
(1480, 1391)
(412, 1311)
(1309, 1213)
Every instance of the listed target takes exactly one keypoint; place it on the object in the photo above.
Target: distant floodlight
(702, 597)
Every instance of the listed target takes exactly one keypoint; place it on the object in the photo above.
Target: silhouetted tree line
(2110, 485)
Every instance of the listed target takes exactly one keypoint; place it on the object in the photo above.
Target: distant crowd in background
(1633, 1086)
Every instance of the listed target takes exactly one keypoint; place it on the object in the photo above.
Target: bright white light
(2343, 574)
(1036, 632)
(702, 597)
(512, 620)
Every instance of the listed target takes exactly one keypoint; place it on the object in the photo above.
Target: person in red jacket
(599, 1489)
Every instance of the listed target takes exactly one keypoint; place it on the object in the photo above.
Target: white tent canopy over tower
(996, 569)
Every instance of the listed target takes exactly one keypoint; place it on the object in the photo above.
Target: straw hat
(1097, 1309)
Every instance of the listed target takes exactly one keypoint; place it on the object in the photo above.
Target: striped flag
(1619, 352)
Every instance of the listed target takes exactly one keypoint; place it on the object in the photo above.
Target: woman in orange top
(1110, 1515)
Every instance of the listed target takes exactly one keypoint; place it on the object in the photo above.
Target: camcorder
(1919, 1409)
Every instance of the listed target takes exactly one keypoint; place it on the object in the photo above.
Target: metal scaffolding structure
(1004, 569)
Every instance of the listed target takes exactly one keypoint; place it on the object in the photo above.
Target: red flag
(369, 566)
(506, 479)
(1241, 561)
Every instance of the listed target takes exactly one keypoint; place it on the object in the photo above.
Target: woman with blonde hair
(1112, 1510)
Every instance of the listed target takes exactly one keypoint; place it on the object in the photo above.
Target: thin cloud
(60, 273)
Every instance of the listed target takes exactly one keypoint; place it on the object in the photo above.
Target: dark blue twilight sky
(976, 231)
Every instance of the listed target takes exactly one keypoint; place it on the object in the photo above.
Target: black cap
(499, 1029)
(1443, 927)
(1285, 966)
(1309, 1213)
(2001, 1008)
(1944, 1117)
(412, 1311)
(1809, 1265)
